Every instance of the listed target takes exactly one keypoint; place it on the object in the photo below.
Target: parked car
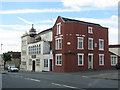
(13, 69)
(118, 66)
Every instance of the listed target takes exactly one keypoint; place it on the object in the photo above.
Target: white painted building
(115, 49)
(36, 51)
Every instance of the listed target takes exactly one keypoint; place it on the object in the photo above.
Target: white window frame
(115, 62)
(90, 30)
(101, 64)
(80, 39)
(58, 28)
(100, 44)
(57, 41)
(91, 44)
(82, 59)
(24, 63)
(45, 62)
(37, 62)
(56, 61)
(30, 61)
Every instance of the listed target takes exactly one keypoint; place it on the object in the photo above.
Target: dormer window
(90, 30)
(58, 28)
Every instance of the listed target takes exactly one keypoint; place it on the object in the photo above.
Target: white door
(90, 61)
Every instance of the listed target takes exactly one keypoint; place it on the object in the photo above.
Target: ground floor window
(30, 61)
(80, 59)
(45, 62)
(23, 62)
(37, 62)
(101, 59)
(113, 60)
(58, 59)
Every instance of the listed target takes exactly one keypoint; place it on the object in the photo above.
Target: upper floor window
(90, 43)
(59, 59)
(101, 44)
(101, 59)
(113, 60)
(58, 43)
(24, 52)
(80, 59)
(24, 42)
(80, 42)
(58, 28)
(90, 30)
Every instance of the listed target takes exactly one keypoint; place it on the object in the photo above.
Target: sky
(17, 17)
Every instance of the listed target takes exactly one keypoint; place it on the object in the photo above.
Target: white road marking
(32, 79)
(63, 85)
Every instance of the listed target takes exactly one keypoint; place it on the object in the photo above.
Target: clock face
(68, 43)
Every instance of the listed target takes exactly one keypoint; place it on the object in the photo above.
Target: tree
(6, 57)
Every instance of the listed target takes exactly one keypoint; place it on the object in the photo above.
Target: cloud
(22, 19)
(97, 4)
(37, 11)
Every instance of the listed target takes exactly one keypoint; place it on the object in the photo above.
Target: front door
(33, 66)
(50, 63)
(90, 61)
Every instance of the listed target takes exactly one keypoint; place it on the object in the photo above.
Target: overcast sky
(16, 17)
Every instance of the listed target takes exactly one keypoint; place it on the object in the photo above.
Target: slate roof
(50, 29)
(67, 20)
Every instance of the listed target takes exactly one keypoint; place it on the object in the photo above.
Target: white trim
(102, 59)
(57, 46)
(82, 42)
(102, 45)
(58, 29)
(82, 59)
(92, 44)
(90, 30)
(59, 60)
(113, 64)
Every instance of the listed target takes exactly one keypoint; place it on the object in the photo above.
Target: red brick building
(79, 45)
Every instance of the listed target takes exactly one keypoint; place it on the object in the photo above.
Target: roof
(114, 46)
(50, 29)
(67, 20)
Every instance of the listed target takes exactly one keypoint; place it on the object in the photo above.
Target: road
(56, 80)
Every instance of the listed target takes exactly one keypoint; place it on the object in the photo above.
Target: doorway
(33, 66)
(50, 64)
(90, 61)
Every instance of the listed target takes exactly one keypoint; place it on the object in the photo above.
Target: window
(90, 30)
(80, 59)
(101, 44)
(23, 52)
(30, 61)
(37, 62)
(23, 62)
(59, 59)
(58, 44)
(24, 42)
(39, 49)
(113, 60)
(45, 62)
(101, 59)
(90, 43)
(58, 28)
(80, 42)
